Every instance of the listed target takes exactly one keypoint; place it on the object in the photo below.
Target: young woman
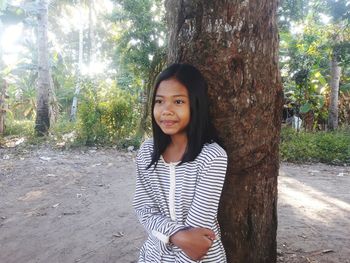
(180, 173)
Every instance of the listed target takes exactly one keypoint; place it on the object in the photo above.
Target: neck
(177, 147)
(179, 141)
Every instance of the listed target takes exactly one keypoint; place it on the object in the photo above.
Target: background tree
(140, 49)
(235, 45)
(313, 34)
(340, 37)
(42, 121)
(3, 105)
(74, 108)
(334, 94)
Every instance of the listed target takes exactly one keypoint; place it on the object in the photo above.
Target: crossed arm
(194, 237)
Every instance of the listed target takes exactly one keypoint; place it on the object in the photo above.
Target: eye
(158, 101)
(179, 101)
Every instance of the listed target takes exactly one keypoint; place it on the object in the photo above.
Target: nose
(167, 109)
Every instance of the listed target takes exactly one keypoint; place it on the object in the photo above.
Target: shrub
(62, 126)
(109, 119)
(24, 127)
(327, 147)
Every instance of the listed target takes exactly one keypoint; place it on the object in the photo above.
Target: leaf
(305, 108)
(321, 102)
(345, 88)
(119, 234)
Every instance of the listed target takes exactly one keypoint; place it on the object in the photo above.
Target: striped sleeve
(204, 207)
(148, 211)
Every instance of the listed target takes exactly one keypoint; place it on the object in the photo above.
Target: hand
(194, 242)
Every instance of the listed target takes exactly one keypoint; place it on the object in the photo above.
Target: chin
(167, 132)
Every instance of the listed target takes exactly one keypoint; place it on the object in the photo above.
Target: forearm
(158, 225)
(194, 242)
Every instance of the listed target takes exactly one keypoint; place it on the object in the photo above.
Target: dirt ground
(75, 206)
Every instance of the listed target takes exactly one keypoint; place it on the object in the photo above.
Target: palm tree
(74, 108)
(334, 95)
(3, 106)
(42, 122)
(235, 45)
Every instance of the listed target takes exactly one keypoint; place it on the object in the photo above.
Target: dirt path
(75, 206)
(314, 213)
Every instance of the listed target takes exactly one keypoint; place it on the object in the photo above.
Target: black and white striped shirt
(173, 197)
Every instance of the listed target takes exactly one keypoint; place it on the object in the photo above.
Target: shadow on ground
(75, 206)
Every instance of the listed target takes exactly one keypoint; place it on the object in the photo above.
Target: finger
(211, 238)
(209, 233)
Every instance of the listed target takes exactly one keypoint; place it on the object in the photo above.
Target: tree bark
(42, 122)
(91, 35)
(235, 45)
(3, 105)
(74, 108)
(54, 106)
(333, 104)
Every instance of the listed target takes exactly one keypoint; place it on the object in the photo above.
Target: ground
(75, 206)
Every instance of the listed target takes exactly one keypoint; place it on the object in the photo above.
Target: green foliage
(139, 43)
(109, 118)
(62, 126)
(291, 10)
(19, 127)
(22, 98)
(305, 64)
(134, 141)
(326, 147)
(10, 14)
(90, 127)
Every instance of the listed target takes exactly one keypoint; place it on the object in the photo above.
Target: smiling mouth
(168, 123)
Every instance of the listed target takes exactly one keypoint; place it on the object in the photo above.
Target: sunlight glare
(73, 19)
(10, 37)
(134, 42)
(10, 45)
(314, 203)
(325, 19)
(10, 59)
(296, 28)
(94, 68)
(108, 6)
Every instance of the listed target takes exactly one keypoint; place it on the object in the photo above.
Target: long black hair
(200, 129)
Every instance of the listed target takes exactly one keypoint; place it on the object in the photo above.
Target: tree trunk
(74, 108)
(309, 119)
(42, 122)
(54, 105)
(333, 104)
(235, 45)
(91, 35)
(3, 84)
(3, 105)
(344, 109)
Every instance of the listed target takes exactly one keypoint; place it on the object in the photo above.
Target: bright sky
(10, 44)
(10, 39)
(298, 28)
(12, 35)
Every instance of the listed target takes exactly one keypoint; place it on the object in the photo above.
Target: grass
(299, 147)
(325, 147)
(19, 128)
(62, 134)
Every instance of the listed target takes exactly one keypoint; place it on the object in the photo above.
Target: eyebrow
(180, 95)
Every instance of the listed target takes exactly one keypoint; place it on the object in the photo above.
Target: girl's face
(172, 107)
